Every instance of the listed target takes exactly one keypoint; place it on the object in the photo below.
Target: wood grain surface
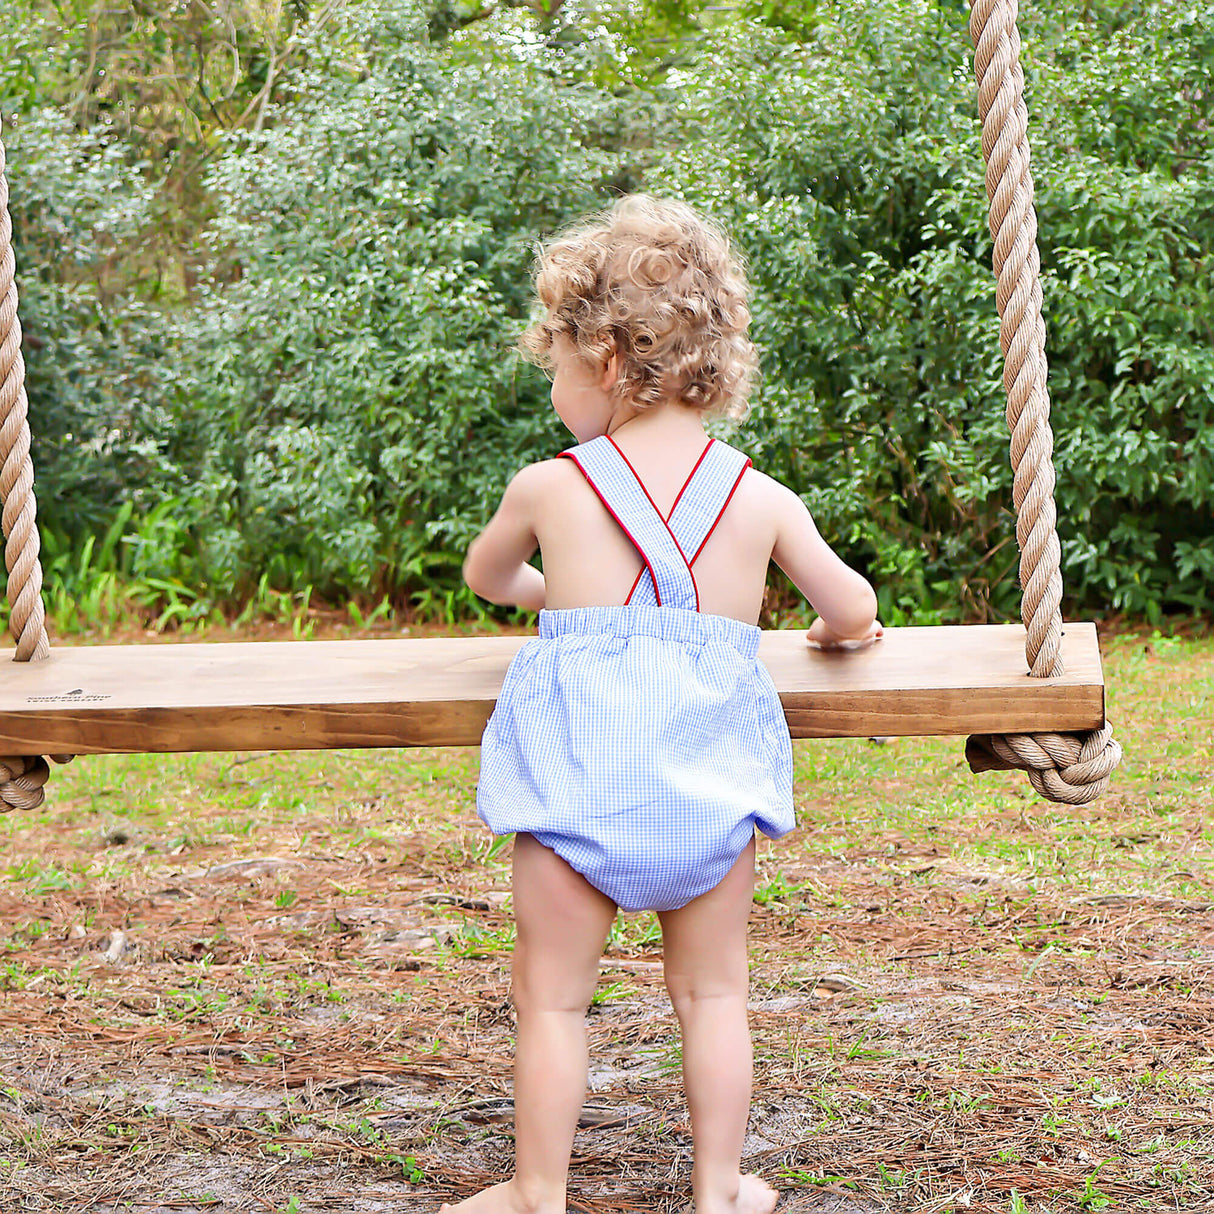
(307, 695)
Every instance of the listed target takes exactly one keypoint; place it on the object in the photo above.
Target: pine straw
(926, 1038)
(960, 1000)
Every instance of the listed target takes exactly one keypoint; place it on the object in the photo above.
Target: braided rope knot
(21, 781)
(1071, 768)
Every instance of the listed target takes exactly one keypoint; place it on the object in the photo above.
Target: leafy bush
(95, 367)
(329, 401)
(352, 402)
(849, 169)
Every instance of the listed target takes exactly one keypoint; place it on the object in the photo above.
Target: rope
(21, 779)
(1062, 768)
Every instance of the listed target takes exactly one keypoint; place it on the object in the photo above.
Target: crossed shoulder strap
(667, 546)
(699, 506)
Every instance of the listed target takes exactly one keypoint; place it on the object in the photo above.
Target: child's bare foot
(755, 1196)
(506, 1198)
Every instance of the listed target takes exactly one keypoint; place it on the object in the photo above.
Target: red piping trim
(688, 480)
(674, 505)
(664, 524)
(635, 584)
(607, 506)
(722, 511)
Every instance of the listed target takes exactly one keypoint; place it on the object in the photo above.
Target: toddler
(638, 741)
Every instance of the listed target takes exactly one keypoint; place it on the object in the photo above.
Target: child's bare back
(589, 560)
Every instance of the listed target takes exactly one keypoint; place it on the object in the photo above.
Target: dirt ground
(214, 1010)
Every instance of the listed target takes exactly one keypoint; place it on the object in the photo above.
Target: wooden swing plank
(308, 695)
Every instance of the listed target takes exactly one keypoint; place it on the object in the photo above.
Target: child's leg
(707, 977)
(562, 923)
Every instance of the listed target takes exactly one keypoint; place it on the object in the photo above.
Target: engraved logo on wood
(75, 696)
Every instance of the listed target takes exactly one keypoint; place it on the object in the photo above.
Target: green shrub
(333, 405)
(352, 402)
(96, 371)
(849, 169)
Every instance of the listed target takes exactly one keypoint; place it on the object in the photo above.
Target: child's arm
(845, 602)
(496, 566)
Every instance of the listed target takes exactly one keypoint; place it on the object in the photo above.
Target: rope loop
(21, 781)
(21, 778)
(1061, 767)
(1070, 768)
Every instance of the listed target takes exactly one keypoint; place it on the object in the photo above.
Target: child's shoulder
(543, 475)
(535, 484)
(770, 507)
(765, 490)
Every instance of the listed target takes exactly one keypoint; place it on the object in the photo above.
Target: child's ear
(611, 372)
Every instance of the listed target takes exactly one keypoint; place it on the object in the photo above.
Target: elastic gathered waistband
(669, 623)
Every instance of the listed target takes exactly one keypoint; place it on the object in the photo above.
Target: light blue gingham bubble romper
(643, 743)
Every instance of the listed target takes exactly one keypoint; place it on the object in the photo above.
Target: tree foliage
(849, 167)
(273, 258)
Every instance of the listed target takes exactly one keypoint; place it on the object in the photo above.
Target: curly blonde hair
(657, 284)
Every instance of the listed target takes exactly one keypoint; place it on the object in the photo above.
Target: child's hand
(821, 637)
